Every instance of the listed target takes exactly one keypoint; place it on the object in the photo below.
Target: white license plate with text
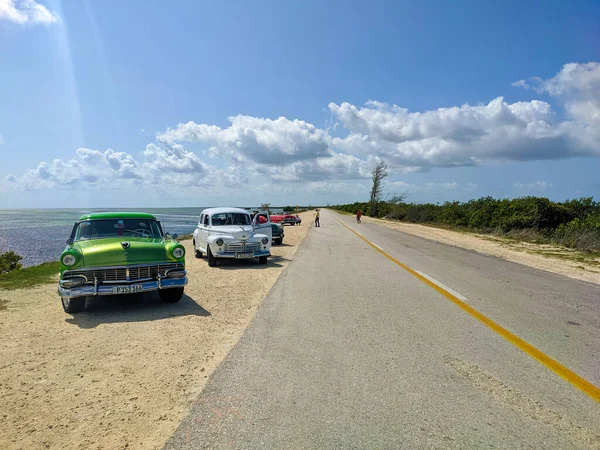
(127, 289)
(244, 255)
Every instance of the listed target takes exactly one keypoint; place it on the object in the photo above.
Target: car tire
(262, 259)
(197, 253)
(212, 261)
(172, 295)
(278, 241)
(73, 305)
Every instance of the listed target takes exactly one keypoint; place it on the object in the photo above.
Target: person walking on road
(317, 221)
(358, 216)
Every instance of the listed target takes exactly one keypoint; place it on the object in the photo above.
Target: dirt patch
(551, 258)
(124, 373)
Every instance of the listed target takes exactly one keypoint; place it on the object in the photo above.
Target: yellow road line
(556, 367)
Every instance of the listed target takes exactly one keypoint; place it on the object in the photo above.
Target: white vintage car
(232, 233)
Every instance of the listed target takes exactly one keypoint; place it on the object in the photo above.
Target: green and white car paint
(120, 253)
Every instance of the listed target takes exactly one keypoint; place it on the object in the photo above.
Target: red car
(289, 219)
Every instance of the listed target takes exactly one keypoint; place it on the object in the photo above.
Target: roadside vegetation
(573, 224)
(19, 277)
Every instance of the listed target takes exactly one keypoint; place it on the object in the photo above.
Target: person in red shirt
(358, 216)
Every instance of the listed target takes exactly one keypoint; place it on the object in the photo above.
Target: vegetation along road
(386, 340)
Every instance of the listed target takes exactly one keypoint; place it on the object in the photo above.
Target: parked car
(232, 233)
(290, 219)
(120, 253)
(277, 233)
(276, 218)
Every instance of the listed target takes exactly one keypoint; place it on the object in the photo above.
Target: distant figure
(358, 216)
(317, 222)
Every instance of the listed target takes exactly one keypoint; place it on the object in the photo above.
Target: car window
(206, 220)
(106, 228)
(230, 219)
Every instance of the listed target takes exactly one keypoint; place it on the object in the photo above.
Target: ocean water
(39, 235)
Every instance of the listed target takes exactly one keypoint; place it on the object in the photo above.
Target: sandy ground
(124, 373)
(565, 261)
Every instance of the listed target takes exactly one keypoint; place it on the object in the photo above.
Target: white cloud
(460, 136)
(26, 12)
(159, 166)
(537, 186)
(521, 84)
(263, 141)
(254, 151)
(579, 86)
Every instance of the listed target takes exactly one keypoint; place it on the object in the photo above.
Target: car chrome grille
(123, 274)
(242, 247)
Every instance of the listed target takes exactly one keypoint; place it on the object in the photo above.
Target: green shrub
(9, 261)
(573, 223)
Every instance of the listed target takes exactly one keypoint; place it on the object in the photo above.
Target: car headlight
(178, 252)
(68, 260)
(219, 242)
(265, 240)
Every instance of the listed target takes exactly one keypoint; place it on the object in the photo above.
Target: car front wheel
(277, 241)
(197, 253)
(212, 261)
(262, 259)
(73, 305)
(171, 295)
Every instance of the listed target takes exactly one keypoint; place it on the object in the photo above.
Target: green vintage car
(120, 253)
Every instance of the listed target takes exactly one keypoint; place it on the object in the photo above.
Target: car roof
(117, 215)
(222, 210)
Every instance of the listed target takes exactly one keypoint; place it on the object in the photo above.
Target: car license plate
(244, 255)
(127, 289)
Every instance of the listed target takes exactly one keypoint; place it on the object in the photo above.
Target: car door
(205, 230)
(263, 228)
(198, 235)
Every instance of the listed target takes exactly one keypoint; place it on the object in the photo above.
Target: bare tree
(396, 199)
(378, 174)
(266, 207)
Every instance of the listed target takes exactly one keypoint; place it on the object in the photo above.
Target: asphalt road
(349, 350)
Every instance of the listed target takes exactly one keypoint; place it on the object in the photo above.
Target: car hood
(110, 252)
(239, 232)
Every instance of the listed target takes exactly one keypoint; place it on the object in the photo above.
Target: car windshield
(230, 219)
(107, 228)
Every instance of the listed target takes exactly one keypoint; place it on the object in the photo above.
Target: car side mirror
(69, 241)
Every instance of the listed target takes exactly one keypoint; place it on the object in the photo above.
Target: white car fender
(214, 236)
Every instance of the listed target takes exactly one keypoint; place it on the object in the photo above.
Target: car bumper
(107, 289)
(232, 255)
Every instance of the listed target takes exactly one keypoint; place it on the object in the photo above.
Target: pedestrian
(358, 216)
(317, 222)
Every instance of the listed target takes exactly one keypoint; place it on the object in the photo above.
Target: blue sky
(187, 103)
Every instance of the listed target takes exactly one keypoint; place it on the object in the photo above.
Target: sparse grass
(30, 276)
(185, 237)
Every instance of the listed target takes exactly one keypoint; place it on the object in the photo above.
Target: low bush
(10, 261)
(573, 223)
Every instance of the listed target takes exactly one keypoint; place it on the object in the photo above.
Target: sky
(155, 103)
